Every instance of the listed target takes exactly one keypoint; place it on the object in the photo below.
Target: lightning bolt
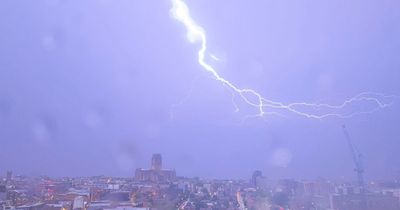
(196, 34)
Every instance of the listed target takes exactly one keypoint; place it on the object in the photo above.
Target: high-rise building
(3, 193)
(9, 176)
(156, 162)
(259, 181)
(256, 175)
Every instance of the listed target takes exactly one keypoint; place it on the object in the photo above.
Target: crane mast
(359, 168)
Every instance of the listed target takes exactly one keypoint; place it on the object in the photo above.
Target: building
(3, 193)
(155, 173)
(259, 181)
(156, 162)
(256, 175)
(8, 177)
(353, 201)
(79, 203)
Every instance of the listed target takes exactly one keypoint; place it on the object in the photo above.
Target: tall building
(9, 176)
(259, 181)
(256, 175)
(156, 162)
(3, 193)
(155, 173)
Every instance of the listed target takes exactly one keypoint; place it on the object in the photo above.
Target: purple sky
(94, 87)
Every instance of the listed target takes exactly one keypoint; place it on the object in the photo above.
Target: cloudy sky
(96, 87)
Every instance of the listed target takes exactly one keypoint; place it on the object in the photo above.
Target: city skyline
(157, 188)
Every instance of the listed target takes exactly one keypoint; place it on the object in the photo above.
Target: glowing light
(195, 33)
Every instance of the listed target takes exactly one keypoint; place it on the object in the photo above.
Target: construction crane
(359, 168)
